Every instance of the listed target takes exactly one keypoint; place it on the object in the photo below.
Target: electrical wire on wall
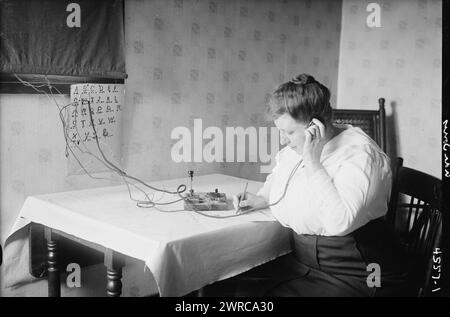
(80, 146)
(129, 180)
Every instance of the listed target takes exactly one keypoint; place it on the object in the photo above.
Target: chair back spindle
(415, 214)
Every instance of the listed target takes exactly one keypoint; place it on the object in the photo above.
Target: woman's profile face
(292, 133)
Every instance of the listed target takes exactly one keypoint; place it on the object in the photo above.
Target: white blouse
(352, 188)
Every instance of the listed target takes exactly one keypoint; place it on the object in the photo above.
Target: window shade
(68, 38)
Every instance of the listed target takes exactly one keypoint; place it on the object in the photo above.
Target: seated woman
(331, 186)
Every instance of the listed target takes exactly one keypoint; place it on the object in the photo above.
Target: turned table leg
(114, 264)
(54, 285)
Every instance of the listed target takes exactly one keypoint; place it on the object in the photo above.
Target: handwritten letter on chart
(94, 115)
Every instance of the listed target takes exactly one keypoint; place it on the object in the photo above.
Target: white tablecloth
(184, 251)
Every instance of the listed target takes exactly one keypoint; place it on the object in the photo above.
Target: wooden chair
(372, 122)
(415, 212)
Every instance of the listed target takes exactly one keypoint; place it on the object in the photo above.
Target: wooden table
(113, 261)
(184, 251)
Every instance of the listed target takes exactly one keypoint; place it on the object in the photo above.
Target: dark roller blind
(67, 38)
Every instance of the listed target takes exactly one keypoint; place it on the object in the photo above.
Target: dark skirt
(333, 266)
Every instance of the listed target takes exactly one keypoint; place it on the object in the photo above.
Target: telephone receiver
(311, 123)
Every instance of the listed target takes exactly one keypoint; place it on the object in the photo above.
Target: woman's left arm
(340, 199)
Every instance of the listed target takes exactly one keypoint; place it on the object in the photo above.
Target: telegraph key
(204, 201)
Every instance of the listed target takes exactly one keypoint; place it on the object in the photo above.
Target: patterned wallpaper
(32, 156)
(214, 60)
(217, 61)
(400, 61)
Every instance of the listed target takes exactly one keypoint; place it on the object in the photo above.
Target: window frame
(9, 84)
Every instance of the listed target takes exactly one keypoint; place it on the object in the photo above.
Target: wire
(105, 161)
(257, 208)
(282, 195)
(180, 189)
(147, 202)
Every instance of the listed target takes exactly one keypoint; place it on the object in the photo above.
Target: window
(60, 42)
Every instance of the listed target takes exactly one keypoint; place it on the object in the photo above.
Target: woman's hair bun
(303, 79)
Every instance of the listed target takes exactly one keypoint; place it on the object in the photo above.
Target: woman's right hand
(249, 201)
